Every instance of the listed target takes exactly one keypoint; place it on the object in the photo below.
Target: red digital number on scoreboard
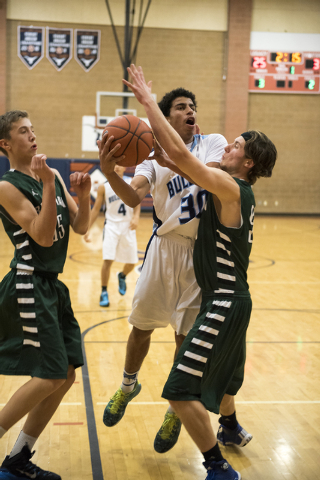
(284, 72)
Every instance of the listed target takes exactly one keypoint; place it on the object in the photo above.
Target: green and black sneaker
(117, 405)
(168, 434)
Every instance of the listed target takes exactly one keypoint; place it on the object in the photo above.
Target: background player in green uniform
(208, 370)
(39, 335)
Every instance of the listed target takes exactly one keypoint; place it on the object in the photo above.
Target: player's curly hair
(263, 153)
(165, 103)
(6, 122)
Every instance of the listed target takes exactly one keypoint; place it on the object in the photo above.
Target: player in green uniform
(209, 368)
(39, 335)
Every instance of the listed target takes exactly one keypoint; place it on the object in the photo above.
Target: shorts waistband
(174, 237)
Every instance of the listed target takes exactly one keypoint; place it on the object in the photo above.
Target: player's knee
(141, 335)
(50, 385)
(71, 376)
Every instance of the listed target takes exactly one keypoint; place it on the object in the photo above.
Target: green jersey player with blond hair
(39, 335)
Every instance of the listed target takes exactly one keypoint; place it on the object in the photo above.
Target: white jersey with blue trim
(116, 210)
(177, 203)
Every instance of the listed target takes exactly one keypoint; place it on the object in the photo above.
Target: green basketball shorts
(39, 335)
(211, 359)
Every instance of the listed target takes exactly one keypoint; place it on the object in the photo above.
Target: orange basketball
(135, 138)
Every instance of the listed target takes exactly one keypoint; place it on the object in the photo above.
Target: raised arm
(40, 227)
(212, 179)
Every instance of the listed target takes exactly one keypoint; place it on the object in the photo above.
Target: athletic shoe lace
(170, 423)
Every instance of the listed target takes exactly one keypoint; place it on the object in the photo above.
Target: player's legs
(227, 405)
(127, 268)
(105, 275)
(26, 398)
(127, 253)
(230, 431)
(42, 413)
(18, 463)
(105, 272)
(137, 349)
(196, 420)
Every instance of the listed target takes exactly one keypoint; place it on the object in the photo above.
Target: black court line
(97, 473)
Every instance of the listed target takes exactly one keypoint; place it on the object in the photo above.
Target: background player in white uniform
(167, 291)
(119, 235)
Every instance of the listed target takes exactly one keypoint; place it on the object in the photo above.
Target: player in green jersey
(208, 370)
(39, 335)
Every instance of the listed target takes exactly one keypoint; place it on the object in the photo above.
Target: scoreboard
(284, 72)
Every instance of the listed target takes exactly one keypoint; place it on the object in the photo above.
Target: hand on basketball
(107, 159)
(81, 184)
(139, 87)
(40, 168)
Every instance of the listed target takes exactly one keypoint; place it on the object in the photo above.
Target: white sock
(170, 410)
(22, 440)
(129, 380)
(2, 432)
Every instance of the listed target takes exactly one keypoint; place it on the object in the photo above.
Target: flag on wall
(59, 46)
(87, 48)
(30, 45)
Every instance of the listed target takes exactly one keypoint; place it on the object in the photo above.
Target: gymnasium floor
(279, 402)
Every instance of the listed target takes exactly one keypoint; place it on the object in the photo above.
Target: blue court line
(97, 473)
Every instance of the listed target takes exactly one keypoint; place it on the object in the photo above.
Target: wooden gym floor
(279, 402)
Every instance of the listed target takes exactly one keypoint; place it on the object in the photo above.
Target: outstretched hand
(140, 88)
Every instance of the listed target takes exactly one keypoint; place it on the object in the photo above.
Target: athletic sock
(22, 440)
(129, 381)
(213, 454)
(170, 410)
(229, 421)
(2, 432)
(104, 289)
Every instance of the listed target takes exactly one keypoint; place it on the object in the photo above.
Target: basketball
(135, 138)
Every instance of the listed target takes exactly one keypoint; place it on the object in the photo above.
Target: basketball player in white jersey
(167, 291)
(119, 235)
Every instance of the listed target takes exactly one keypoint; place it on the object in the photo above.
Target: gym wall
(184, 43)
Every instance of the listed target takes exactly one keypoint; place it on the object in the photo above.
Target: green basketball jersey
(29, 255)
(221, 254)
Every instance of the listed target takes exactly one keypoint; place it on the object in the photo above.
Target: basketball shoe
(117, 405)
(20, 467)
(238, 436)
(122, 283)
(104, 299)
(168, 434)
(220, 471)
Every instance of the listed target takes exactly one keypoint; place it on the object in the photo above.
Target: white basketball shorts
(119, 243)
(167, 291)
